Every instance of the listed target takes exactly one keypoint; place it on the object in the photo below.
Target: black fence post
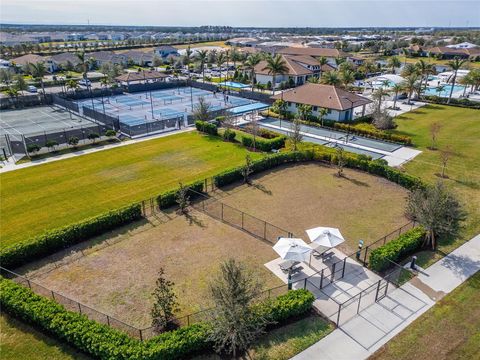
(305, 284)
(141, 334)
(79, 308)
(321, 279)
(108, 320)
(365, 256)
(338, 316)
(344, 265)
(222, 211)
(332, 278)
(359, 300)
(378, 289)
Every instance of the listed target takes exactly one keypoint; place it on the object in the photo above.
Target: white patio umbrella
(325, 236)
(292, 249)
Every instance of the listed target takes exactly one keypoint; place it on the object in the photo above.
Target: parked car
(85, 82)
(32, 89)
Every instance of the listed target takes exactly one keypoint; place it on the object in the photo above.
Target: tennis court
(161, 110)
(38, 125)
(38, 120)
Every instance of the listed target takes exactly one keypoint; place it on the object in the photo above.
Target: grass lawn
(20, 341)
(286, 341)
(460, 129)
(450, 330)
(52, 195)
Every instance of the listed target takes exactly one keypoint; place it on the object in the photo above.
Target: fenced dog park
(115, 274)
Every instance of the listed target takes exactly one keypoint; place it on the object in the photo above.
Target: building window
(329, 111)
(315, 108)
(289, 103)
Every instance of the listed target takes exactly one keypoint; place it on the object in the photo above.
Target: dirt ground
(300, 197)
(116, 273)
(118, 279)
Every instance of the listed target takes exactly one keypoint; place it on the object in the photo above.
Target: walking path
(362, 335)
(10, 164)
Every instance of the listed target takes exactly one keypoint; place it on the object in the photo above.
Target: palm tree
(12, 93)
(455, 64)
(379, 94)
(396, 89)
(439, 89)
(409, 69)
(72, 85)
(202, 56)
(275, 65)
(249, 64)
(220, 61)
(322, 113)
(410, 85)
(424, 69)
(322, 61)
(394, 62)
(331, 78)
(83, 62)
(38, 71)
(347, 77)
(187, 59)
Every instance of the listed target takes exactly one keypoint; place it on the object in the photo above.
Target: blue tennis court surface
(144, 110)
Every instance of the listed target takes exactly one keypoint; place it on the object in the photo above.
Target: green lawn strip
(52, 195)
(460, 129)
(287, 341)
(450, 330)
(20, 341)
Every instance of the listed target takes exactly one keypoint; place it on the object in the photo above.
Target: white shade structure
(292, 249)
(325, 236)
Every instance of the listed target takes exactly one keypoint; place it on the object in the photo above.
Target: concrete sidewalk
(373, 327)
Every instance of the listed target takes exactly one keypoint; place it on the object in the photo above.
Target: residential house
(102, 57)
(340, 104)
(165, 50)
(64, 60)
(22, 62)
(139, 57)
(444, 52)
(329, 54)
(138, 77)
(300, 69)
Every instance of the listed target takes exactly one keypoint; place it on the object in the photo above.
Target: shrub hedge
(396, 250)
(453, 102)
(321, 153)
(261, 143)
(103, 342)
(58, 239)
(167, 199)
(206, 127)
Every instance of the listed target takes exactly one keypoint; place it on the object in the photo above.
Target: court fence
(23, 101)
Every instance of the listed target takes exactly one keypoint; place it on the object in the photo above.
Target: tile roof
(316, 52)
(28, 59)
(326, 96)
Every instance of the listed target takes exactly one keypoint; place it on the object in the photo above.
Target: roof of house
(138, 55)
(65, 57)
(166, 48)
(28, 59)
(326, 96)
(452, 51)
(294, 68)
(140, 76)
(106, 56)
(316, 52)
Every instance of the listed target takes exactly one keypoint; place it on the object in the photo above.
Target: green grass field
(450, 330)
(19, 341)
(460, 128)
(52, 195)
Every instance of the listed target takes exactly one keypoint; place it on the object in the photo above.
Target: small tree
(294, 135)
(438, 210)
(434, 130)
(340, 160)
(182, 199)
(235, 324)
(50, 144)
(202, 110)
(305, 111)
(322, 113)
(92, 137)
(165, 303)
(33, 148)
(73, 141)
(110, 134)
(247, 169)
(382, 120)
(445, 155)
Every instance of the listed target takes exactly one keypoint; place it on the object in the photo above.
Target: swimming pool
(432, 90)
(234, 84)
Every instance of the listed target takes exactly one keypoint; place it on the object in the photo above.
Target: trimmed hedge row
(58, 239)
(103, 342)
(167, 199)
(453, 102)
(261, 143)
(206, 127)
(396, 250)
(321, 153)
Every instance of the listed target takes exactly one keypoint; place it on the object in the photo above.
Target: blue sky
(279, 13)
